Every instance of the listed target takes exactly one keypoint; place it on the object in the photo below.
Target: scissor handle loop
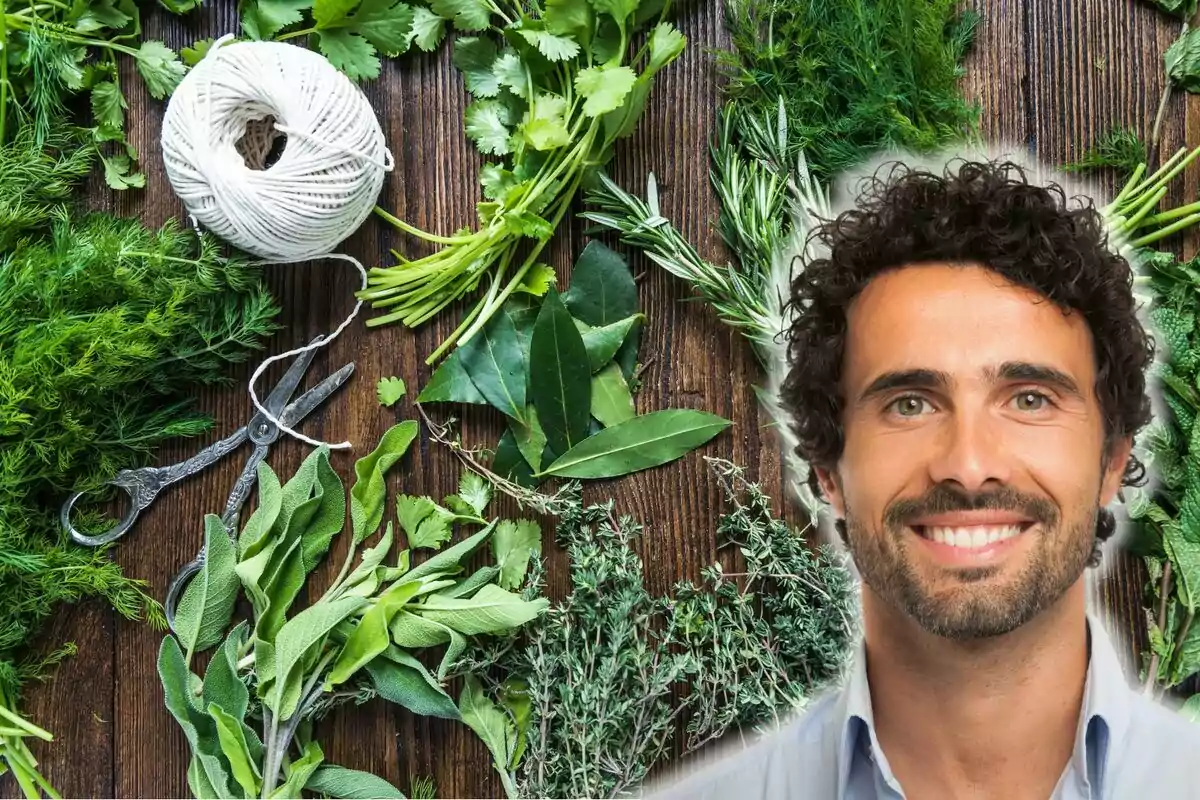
(140, 485)
(178, 584)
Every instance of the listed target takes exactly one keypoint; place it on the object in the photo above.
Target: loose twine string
(320, 190)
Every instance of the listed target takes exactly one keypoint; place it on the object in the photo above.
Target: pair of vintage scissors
(143, 485)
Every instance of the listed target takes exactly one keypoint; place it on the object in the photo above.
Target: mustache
(944, 498)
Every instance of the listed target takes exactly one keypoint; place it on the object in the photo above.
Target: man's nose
(968, 451)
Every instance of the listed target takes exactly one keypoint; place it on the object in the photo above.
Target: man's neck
(993, 718)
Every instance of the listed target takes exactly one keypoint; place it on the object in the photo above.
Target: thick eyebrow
(935, 379)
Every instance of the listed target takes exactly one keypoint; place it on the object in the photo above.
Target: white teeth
(973, 536)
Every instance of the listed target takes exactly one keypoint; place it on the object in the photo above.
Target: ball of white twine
(319, 191)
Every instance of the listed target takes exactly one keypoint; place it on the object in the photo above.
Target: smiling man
(967, 374)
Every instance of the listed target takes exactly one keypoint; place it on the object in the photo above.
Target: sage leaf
(198, 783)
(197, 726)
(513, 544)
(510, 463)
(307, 629)
(530, 438)
(372, 557)
(514, 696)
(468, 586)
(411, 630)
(222, 686)
(491, 610)
(602, 343)
(602, 289)
(296, 494)
(449, 559)
(270, 497)
(560, 376)
(370, 636)
(645, 441)
(494, 360)
(612, 403)
(369, 492)
(237, 753)
(330, 517)
(207, 604)
(299, 772)
(284, 579)
(399, 678)
(1191, 708)
(450, 383)
(351, 784)
(489, 722)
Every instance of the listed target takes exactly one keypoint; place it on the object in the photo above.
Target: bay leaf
(450, 383)
(531, 439)
(559, 375)
(509, 463)
(603, 342)
(648, 440)
(494, 360)
(612, 403)
(627, 356)
(602, 289)
(206, 607)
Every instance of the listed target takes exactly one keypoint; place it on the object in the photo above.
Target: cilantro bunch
(555, 86)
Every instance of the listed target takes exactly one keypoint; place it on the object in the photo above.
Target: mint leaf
(545, 125)
(350, 53)
(487, 125)
(264, 19)
(552, 46)
(195, 54)
(605, 88)
(108, 106)
(475, 58)
(467, 15)
(389, 391)
(160, 68)
(427, 29)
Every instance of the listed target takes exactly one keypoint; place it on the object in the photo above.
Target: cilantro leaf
(195, 54)
(97, 16)
(510, 72)
(605, 88)
(425, 522)
(118, 172)
(264, 19)
(179, 6)
(475, 491)
(552, 46)
(567, 16)
(526, 223)
(387, 24)
(666, 43)
(475, 58)
(538, 280)
(619, 10)
(545, 125)
(496, 181)
(108, 106)
(350, 53)
(327, 13)
(427, 29)
(512, 544)
(467, 15)
(389, 391)
(487, 125)
(160, 68)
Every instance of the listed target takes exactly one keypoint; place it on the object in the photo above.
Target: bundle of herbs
(106, 328)
(250, 720)
(555, 87)
(589, 695)
(559, 368)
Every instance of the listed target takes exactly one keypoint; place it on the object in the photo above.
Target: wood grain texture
(1050, 75)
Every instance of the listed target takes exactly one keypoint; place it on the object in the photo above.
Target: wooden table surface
(1051, 74)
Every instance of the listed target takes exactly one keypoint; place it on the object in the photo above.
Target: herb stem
(420, 234)
(1164, 595)
(295, 34)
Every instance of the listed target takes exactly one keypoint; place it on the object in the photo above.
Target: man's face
(972, 470)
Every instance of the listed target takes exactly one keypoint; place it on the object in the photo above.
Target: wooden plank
(1050, 75)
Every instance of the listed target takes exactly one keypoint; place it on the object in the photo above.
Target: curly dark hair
(978, 212)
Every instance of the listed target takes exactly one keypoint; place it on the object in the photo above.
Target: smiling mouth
(971, 536)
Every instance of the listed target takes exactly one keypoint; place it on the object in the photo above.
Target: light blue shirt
(1127, 747)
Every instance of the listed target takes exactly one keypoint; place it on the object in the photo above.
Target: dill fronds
(1118, 149)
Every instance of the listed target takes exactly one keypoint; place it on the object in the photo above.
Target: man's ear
(831, 487)
(1114, 470)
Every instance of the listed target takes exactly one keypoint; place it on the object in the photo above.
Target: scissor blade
(286, 387)
(315, 396)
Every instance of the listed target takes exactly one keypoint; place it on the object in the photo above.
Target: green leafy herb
(390, 390)
(559, 375)
(1118, 149)
(554, 90)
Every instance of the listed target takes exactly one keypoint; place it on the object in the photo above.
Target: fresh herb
(1118, 149)
(855, 76)
(249, 721)
(554, 89)
(106, 328)
(55, 52)
(558, 368)
(599, 684)
(389, 391)
(1128, 217)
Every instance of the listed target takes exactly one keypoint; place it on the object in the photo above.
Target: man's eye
(1031, 401)
(908, 406)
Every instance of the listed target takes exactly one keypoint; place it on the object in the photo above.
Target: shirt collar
(1103, 721)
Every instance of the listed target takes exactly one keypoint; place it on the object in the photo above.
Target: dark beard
(963, 612)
